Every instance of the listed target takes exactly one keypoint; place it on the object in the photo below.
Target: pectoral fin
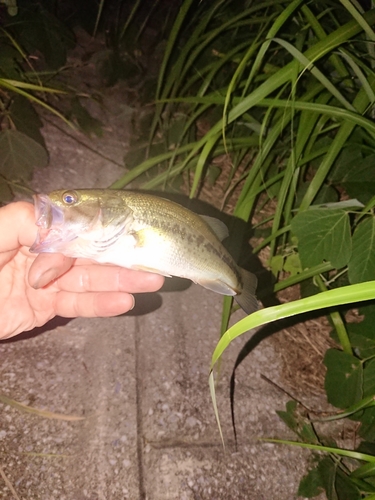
(114, 216)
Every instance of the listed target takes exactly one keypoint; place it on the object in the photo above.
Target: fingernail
(45, 278)
(132, 307)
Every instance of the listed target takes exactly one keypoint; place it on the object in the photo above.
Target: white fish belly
(164, 257)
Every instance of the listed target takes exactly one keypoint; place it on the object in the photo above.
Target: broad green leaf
(328, 475)
(43, 31)
(10, 60)
(292, 264)
(364, 347)
(327, 471)
(369, 378)
(323, 234)
(347, 161)
(345, 488)
(276, 264)
(368, 311)
(19, 154)
(361, 265)
(362, 334)
(296, 420)
(312, 484)
(367, 419)
(289, 416)
(344, 378)
(26, 119)
(355, 173)
(360, 182)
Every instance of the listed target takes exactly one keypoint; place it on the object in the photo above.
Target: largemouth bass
(143, 232)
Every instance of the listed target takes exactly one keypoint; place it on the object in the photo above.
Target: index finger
(107, 278)
(17, 225)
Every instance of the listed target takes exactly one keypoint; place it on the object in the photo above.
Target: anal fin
(216, 286)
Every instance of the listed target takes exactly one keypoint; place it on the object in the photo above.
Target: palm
(20, 304)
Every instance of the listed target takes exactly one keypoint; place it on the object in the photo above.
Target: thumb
(47, 267)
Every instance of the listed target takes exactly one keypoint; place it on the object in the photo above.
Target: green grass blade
(257, 173)
(279, 22)
(321, 34)
(367, 470)
(178, 168)
(232, 84)
(206, 152)
(354, 118)
(181, 17)
(207, 73)
(9, 484)
(338, 322)
(98, 16)
(129, 19)
(325, 267)
(360, 103)
(40, 413)
(285, 74)
(171, 44)
(356, 65)
(360, 19)
(309, 65)
(356, 455)
(344, 295)
(18, 90)
(16, 84)
(361, 405)
(211, 383)
(146, 165)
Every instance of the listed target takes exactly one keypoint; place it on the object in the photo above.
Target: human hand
(34, 289)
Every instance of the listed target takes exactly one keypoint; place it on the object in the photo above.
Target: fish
(145, 232)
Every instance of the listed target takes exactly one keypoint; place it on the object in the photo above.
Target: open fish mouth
(50, 221)
(46, 213)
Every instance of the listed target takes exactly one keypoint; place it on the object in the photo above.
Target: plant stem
(337, 321)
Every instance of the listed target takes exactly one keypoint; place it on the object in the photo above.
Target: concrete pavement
(149, 430)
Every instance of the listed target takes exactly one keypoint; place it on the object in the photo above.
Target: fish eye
(70, 197)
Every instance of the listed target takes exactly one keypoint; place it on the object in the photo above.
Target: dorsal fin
(217, 226)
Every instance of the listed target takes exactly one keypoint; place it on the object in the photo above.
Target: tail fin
(246, 299)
